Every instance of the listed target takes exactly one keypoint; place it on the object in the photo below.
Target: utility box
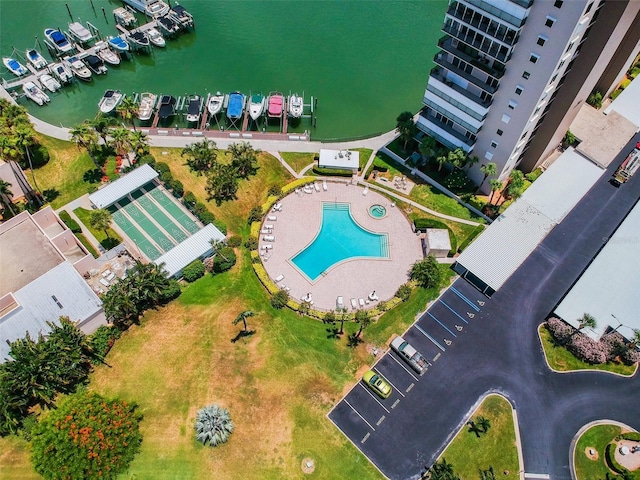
(437, 242)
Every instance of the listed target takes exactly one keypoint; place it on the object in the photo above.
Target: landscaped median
(599, 453)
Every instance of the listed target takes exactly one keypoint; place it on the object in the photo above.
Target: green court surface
(162, 219)
(174, 210)
(134, 234)
(146, 224)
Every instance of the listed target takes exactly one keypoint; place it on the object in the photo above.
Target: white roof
(126, 184)
(339, 159)
(626, 104)
(609, 286)
(511, 238)
(194, 247)
(37, 305)
(438, 239)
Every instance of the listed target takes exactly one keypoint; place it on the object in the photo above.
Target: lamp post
(619, 323)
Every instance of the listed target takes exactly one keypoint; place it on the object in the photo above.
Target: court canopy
(114, 191)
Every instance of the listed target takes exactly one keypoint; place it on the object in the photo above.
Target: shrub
(332, 172)
(225, 259)
(213, 425)
(404, 292)
(193, 271)
(70, 222)
(630, 357)
(189, 200)
(380, 168)
(610, 456)
(161, 167)
(559, 330)
(290, 187)
(255, 215)
(251, 243)
(279, 299)
(39, 156)
(149, 159)
(595, 99)
(587, 349)
(171, 291)
(422, 224)
(382, 306)
(103, 339)
(427, 272)
(166, 177)
(234, 241)
(533, 176)
(634, 436)
(176, 187)
(614, 345)
(472, 236)
(220, 225)
(274, 191)
(264, 278)
(206, 217)
(457, 180)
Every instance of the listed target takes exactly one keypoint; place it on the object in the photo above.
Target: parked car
(377, 383)
(410, 355)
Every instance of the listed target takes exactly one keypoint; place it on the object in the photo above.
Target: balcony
(426, 113)
(475, 40)
(441, 60)
(494, 69)
(432, 129)
(507, 36)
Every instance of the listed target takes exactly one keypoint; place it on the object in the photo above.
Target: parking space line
(469, 302)
(410, 387)
(456, 313)
(405, 368)
(380, 420)
(429, 337)
(357, 413)
(373, 396)
(365, 438)
(395, 403)
(442, 324)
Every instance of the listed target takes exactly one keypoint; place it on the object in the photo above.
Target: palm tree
(587, 320)
(487, 170)
(139, 142)
(441, 159)
(483, 423)
(244, 159)
(457, 158)
(428, 147)
(85, 136)
(101, 125)
(405, 127)
(201, 156)
(495, 185)
(634, 340)
(213, 425)
(5, 196)
(442, 471)
(471, 161)
(513, 188)
(120, 140)
(128, 110)
(101, 220)
(242, 317)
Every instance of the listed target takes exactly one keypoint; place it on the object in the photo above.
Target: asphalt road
(478, 345)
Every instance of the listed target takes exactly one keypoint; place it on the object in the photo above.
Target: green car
(377, 383)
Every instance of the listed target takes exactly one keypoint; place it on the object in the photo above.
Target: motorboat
(194, 108)
(14, 66)
(49, 83)
(35, 93)
(124, 17)
(168, 25)
(156, 37)
(256, 105)
(167, 106)
(152, 8)
(180, 15)
(214, 105)
(58, 40)
(79, 69)
(118, 43)
(107, 55)
(79, 32)
(110, 100)
(62, 72)
(138, 39)
(235, 106)
(276, 105)
(296, 106)
(147, 104)
(95, 64)
(36, 59)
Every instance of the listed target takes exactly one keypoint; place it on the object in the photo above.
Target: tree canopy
(426, 272)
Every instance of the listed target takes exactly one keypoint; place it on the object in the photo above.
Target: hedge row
(332, 172)
(266, 206)
(422, 224)
(610, 455)
(634, 436)
(69, 222)
(265, 279)
(87, 244)
(474, 233)
(300, 182)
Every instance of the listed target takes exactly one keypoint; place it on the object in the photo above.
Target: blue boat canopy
(234, 110)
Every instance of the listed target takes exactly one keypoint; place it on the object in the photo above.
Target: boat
(110, 100)
(236, 105)
(139, 39)
(58, 40)
(152, 8)
(36, 59)
(79, 69)
(35, 93)
(296, 106)
(214, 105)
(168, 25)
(14, 66)
(147, 104)
(167, 106)
(256, 105)
(106, 54)
(276, 104)
(118, 44)
(180, 15)
(124, 17)
(79, 32)
(62, 72)
(194, 108)
(156, 37)
(49, 83)
(95, 64)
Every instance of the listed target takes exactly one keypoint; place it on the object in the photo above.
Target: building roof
(348, 159)
(511, 238)
(626, 104)
(438, 239)
(114, 191)
(608, 288)
(194, 247)
(37, 305)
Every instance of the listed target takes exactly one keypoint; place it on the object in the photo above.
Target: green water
(365, 60)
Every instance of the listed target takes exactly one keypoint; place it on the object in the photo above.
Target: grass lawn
(15, 461)
(107, 242)
(297, 160)
(365, 153)
(469, 453)
(562, 360)
(596, 437)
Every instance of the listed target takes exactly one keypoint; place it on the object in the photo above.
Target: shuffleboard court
(162, 219)
(174, 210)
(146, 224)
(136, 235)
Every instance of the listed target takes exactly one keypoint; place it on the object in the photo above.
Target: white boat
(62, 72)
(79, 32)
(156, 37)
(106, 54)
(14, 66)
(147, 104)
(49, 83)
(36, 59)
(124, 17)
(110, 100)
(180, 15)
(79, 69)
(35, 93)
(256, 105)
(168, 25)
(118, 43)
(194, 108)
(139, 39)
(214, 106)
(95, 64)
(296, 106)
(58, 40)
(152, 8)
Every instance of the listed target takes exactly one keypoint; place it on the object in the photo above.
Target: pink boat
(276, 105)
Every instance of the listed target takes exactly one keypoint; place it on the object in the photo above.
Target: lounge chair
(277, 207)
(316, 186)
(324, 185)
(354, 304)
(361, 302)
(269, 238)
(279, 278)
(366, 190)
(269, 226)
(104, 282)
(266, 231)
(266, 247)
(339, 303)
(272, 218)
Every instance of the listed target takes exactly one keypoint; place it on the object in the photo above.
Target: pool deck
(297, 225)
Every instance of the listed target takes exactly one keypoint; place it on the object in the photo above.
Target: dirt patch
(308, 465)
(591, 453)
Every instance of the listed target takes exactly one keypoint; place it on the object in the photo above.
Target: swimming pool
(340, 238)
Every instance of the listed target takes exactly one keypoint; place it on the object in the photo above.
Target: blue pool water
(340, 238)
